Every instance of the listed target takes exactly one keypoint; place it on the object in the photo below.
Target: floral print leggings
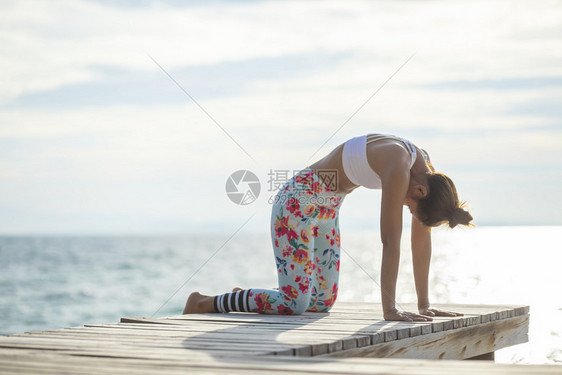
(306, 243)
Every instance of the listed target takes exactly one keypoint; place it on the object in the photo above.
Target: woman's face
(412, 205)
(414, 194)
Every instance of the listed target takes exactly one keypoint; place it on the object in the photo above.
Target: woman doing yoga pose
(306, 238)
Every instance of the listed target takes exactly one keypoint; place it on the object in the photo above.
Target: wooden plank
(320, 343)
(85, 343)
(89, 365)
(456, 344)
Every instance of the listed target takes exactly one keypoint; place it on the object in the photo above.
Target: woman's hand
(405, 316)
(429, 311)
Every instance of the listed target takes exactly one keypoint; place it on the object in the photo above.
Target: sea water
(56, 282)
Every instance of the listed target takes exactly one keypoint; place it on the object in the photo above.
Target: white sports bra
(355, 164)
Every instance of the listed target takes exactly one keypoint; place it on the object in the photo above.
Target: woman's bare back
(378, 153)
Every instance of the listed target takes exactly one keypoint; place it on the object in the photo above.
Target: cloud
(90, 126)
(116, 86)
(512, 83)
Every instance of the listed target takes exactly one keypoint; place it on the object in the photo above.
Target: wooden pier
(242, 343)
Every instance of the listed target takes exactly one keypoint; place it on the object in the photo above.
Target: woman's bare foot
(199, 304)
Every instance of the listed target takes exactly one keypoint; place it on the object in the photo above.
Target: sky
(127, 117)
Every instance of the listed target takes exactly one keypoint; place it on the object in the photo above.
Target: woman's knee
(324, 308)
(301, 307)
(320, 307)
(296, 306)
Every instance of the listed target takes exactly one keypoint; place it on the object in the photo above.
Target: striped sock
(237, 301)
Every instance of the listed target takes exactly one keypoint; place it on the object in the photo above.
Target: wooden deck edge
(365, 339)
(54, 363)
(459, 343)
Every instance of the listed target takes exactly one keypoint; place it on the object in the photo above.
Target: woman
(306, 238)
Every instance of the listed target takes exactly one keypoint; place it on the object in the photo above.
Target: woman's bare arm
(421, 258)
(395, 181)
(391, 231)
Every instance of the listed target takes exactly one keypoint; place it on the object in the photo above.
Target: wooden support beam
(484, 357)
(462, 343)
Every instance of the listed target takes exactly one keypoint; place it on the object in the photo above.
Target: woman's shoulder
(387, 157)
(388, 149)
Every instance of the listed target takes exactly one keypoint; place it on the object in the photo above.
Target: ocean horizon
(57, 281)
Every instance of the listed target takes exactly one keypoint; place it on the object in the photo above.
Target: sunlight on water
(488, 265)
(56, 282)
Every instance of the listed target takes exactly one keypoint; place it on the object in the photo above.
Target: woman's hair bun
(459, 216)
(442, 205)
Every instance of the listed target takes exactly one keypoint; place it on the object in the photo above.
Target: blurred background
(96, 138)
